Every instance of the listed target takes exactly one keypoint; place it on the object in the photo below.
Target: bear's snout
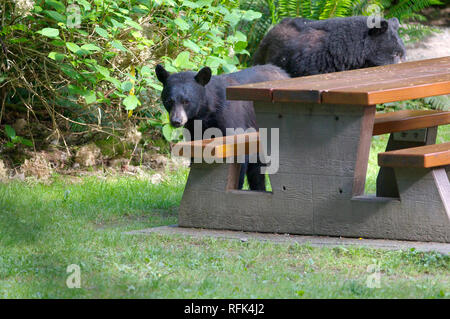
(178, 117)
(399, 58)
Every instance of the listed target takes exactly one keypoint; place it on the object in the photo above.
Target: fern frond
(441, 102)
(322, 9)
(405, 8)
(290, 8)
(336, 8)
(415, 32)
(306, 8)
(317, 8)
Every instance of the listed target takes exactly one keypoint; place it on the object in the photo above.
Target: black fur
(201, 96)
(306, 47)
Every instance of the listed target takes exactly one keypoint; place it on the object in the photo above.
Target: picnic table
(326, 123)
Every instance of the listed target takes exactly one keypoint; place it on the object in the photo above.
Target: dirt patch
(437, 16)
(88, 155)
(38, 166)
(434, 46)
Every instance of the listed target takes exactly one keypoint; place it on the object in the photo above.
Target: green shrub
(90, 63)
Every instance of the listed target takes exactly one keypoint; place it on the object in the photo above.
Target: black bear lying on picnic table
(305, 47)
(189, 96)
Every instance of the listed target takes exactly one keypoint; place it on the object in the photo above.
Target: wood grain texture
(234, 171)
(405, 120)
(219, 147)
(363, 86)
(390, 91)
(362, 158)
(424, 156)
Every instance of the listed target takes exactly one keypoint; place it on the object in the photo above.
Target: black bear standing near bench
(304, 47)
(190, 96)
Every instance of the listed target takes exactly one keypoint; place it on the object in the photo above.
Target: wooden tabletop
(367, 86)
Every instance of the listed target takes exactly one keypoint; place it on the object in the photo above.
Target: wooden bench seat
(409, 120)
(427, 156)
(220, 147)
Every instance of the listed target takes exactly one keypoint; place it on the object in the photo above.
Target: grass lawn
(45, 228)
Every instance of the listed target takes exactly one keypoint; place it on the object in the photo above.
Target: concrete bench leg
(425, 199)
(386, 182)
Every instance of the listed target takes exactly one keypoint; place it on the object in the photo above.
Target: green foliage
(255, 30)
(323, 9)
(427, 259)
(91, 62)
(169, 132)
(15, 139)
(404, 10)
(407, 9)
(441, 102)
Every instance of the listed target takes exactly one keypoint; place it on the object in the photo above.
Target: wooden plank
(424, 156)
(242, 93)
(307, 88)
(233, 176)
(350, 79)
(390, 91)
(220, 147)
(405, 120)
(362, 158)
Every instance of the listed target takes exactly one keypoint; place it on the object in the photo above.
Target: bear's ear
(394, 23)
(377, 30)
(203, 76)
(161, 74)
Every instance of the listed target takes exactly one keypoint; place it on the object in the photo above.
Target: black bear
(306, 47)
(189, 96)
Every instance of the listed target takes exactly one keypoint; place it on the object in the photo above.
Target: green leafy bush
(90, 63)
(14, 138)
